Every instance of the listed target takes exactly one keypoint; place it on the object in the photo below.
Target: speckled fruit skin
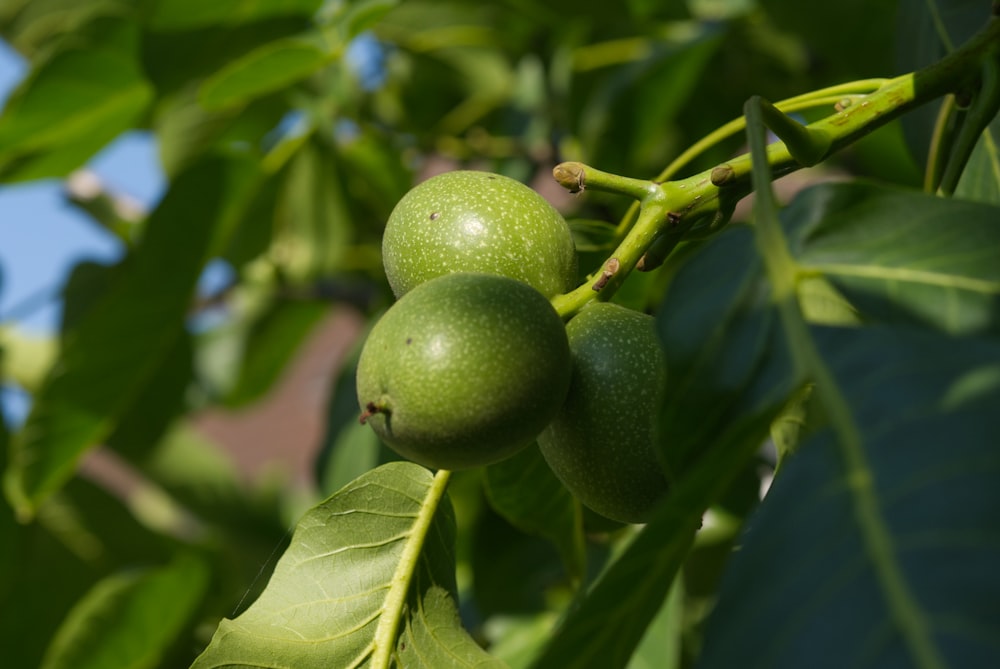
(600, 444)
(464, 370)
(468, 221)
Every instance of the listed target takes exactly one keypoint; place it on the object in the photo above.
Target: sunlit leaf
(369, 577)
(76, 101)
(900, 256)
(888, 541)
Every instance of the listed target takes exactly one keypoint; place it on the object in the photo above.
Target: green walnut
(600, 444)
(464, 370)
(468, 221)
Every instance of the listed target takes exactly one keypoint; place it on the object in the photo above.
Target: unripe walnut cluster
(472, 363)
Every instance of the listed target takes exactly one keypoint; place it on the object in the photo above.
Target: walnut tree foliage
(828, 424)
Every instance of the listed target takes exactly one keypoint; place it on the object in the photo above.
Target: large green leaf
(728, 378)
(900, 256)
(524, 490)
(891, 564)
(367, 581)
(119, 343)
(77, 100)
(130, 618)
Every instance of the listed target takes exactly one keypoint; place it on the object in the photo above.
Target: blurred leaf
(266, 69)
(847, 40)
(637, 87)
(314, 222)
(898, 556)
(981, 179)
(901, 256)
(113, 350)
(728, 378)
(130, 618)
(528, 495)
(338, 585)
(592, 236)
(183, 14)
(31, 26)
(273, 341)
(26, 358)
(81, 534)
(74, 102)
(159, 402)
(718, 332)
(513, 572)
(926, 31)
(661, 645)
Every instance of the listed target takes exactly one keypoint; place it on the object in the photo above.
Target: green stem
(677, 207)
(384, 642)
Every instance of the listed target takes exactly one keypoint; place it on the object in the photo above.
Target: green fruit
(600, 444)
(468, 221)
(464, 370)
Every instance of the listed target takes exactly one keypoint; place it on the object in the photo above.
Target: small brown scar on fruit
(610, 269)
(435, 215)
(722, 175)
(370, 410)
(409, 340)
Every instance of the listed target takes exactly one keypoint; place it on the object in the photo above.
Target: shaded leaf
(74, 102)
(130, 618)
(119, 343)
(264, 70)
(182, 14)
(273, 341)
(981, 179)
(908, 577)
(728, 378)
(901, 256)
(528, 495)
(335, 598)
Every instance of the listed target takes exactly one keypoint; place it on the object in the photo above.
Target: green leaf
(661, 645)
(313, 219)
(367, 581)
(981, 179)
(908, 579)
(117, 346)
(901, 256)
(273, 341)
(268, 68)
(528, 495)
(183, 14)
(129, 618)
(74, 102)
(81, 534)
(717, 330)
